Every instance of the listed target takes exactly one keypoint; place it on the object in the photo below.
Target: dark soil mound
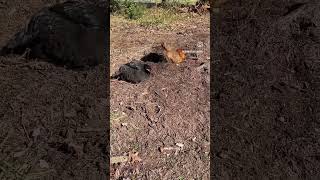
(266, 84)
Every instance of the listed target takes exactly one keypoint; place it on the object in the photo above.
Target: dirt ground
(266, 90)
(50, 131)
(53, 121)
(169, 110)
(265, 105)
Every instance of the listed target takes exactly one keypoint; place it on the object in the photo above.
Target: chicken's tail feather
(164, 46)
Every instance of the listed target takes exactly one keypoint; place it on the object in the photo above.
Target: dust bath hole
(154, 57)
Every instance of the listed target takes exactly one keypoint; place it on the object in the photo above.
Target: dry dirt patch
(166, 118)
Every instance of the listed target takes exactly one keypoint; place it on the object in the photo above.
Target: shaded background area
(53, 121)
(266, 89)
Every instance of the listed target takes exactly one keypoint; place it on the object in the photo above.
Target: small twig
(40, 174)
(23, 126)
(84, 130)
(5, 139)
(254, 9)
(25, 54)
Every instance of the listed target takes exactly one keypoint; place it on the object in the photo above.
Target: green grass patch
(171, 3)
(127, 8)
(161, 17)
(115, 117)
(137, 12)
(135, 147)
(168, 1)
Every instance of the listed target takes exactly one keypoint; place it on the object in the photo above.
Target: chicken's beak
(148, 69)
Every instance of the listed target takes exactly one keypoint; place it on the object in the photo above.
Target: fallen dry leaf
(133, 157)
(163, 149)
(117, 174)
(43, 164)
(36, 132)
(124, 124)
(19, 154)
(180, 145)
(118, 159)
(167, 150)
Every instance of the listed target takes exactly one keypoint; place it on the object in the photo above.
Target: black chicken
(72, 34)
(133, 72)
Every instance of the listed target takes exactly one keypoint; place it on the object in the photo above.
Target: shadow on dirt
(154, 57)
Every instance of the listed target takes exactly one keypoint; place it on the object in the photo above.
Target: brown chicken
(176, 56)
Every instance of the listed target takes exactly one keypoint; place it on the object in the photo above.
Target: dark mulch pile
(266, 90)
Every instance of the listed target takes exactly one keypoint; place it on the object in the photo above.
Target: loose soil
(265, 62)
(265, 120)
